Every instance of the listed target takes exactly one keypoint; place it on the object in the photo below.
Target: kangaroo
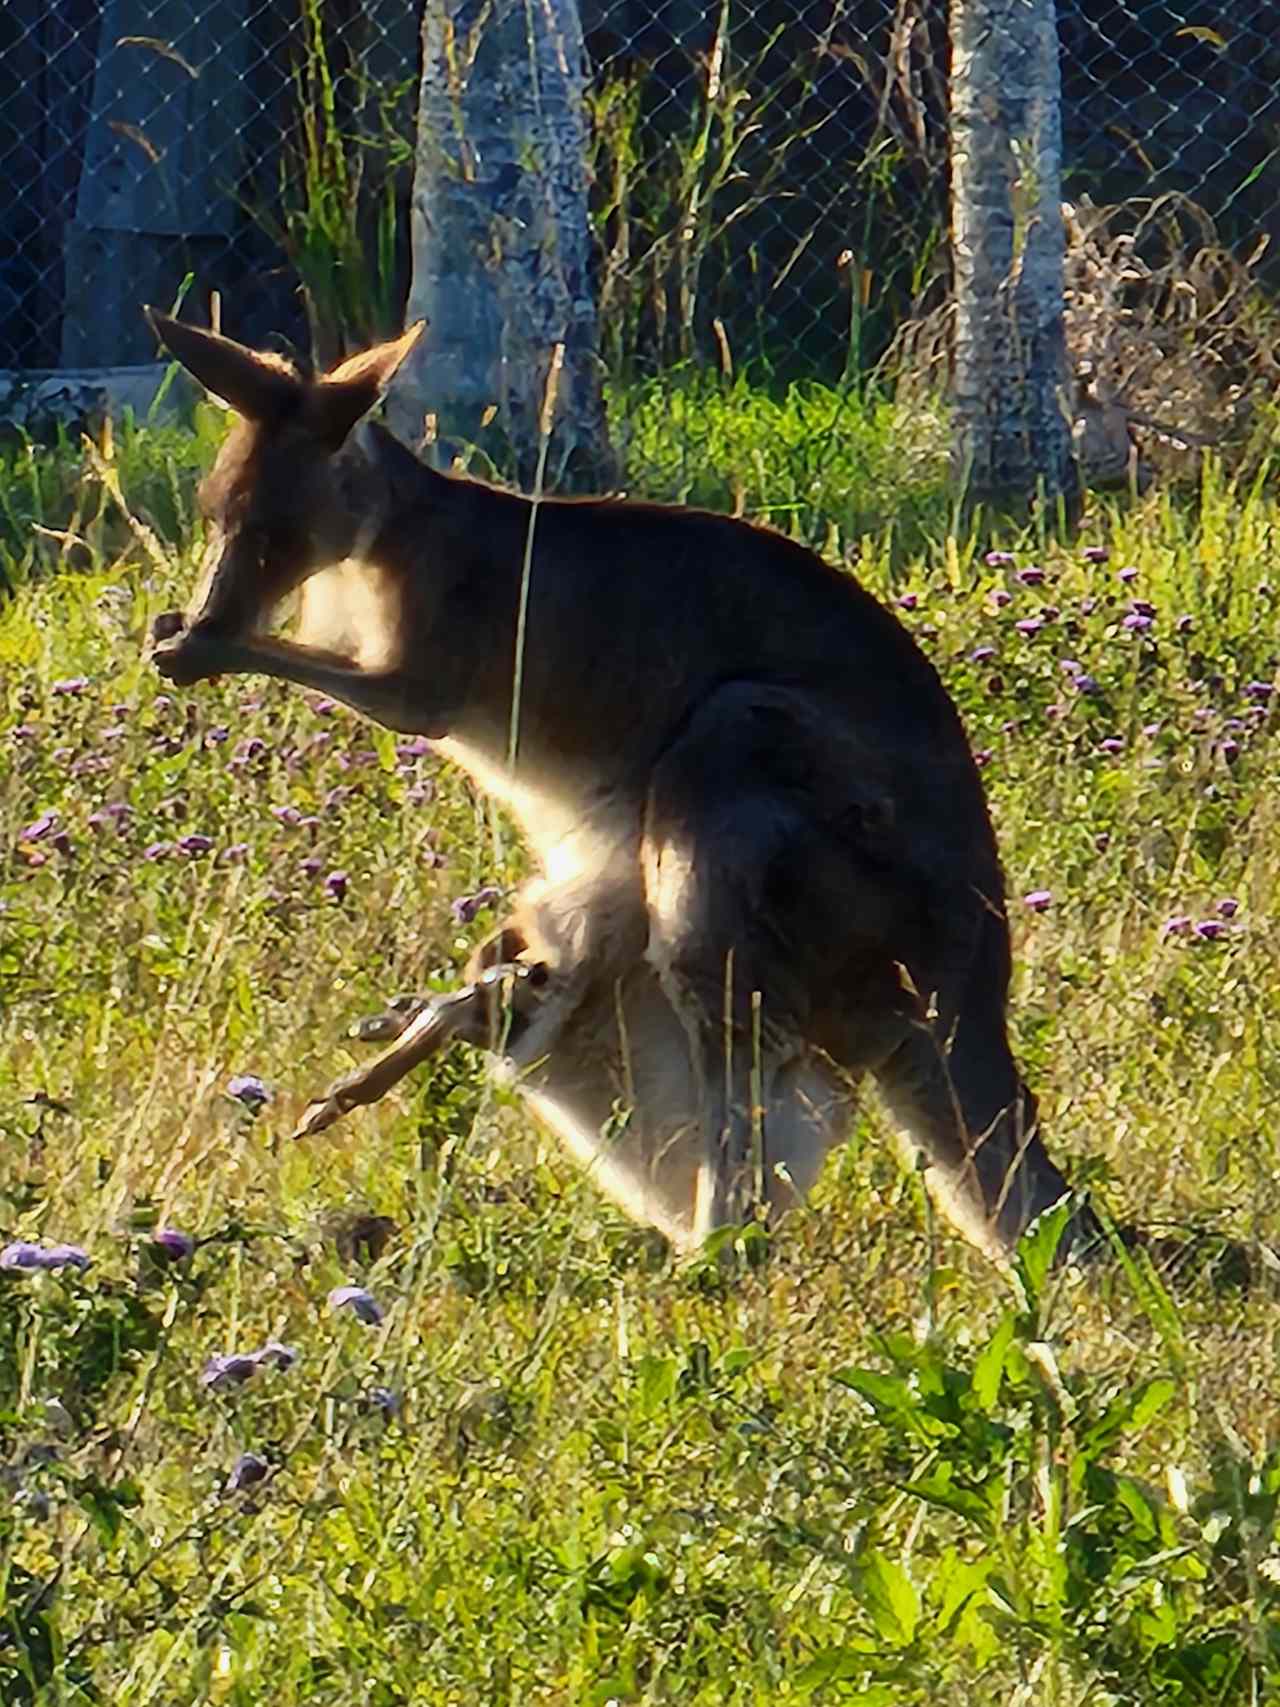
(766, 867)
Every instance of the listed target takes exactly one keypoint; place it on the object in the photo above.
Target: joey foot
(396, 1018)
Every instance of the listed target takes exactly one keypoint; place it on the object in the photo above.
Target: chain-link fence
(770, 176)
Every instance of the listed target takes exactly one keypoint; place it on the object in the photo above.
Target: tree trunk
(502, 242)
(1013, 409)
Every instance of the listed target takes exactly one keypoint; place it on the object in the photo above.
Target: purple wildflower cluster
(290, 801)
(1210, 929)
(1084, 664)
(226, 1371)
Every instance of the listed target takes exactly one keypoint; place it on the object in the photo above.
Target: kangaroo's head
(277, 503)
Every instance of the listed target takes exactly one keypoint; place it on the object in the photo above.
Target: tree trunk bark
(1013, 408)
(502, 243)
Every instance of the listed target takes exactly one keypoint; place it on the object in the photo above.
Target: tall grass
(559, 1470)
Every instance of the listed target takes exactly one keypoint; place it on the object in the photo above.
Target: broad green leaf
(656, 1378)
(891, 1598)
(988, 1371)
(1127, 1415)
(938, 1490)
(1039, 1246)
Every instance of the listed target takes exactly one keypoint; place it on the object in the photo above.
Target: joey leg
(473, 1014)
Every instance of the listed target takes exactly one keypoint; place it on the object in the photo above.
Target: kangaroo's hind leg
(731, 859)
(953, 1086)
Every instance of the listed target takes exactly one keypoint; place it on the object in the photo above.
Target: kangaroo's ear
(261, 388)
(339, 398)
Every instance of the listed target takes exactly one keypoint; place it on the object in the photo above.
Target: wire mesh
(769, 176)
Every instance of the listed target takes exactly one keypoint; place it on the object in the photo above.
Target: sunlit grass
(609, 1480)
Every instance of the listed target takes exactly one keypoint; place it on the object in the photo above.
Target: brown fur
(766, 862)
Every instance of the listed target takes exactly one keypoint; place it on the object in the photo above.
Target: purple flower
(194, 845)
(1184, 625)
(157, 850)
(25, 731)
(354, 1298)
(384, 1400)
(324, 706)
(1031, 576)
(1151, 730)
(312, 866)
(908, 601)
(1001, 597)
(465, 907)
(998, 559)
(1050, 613)
(1260, 692)
(980, 654)
(247, 1471)
(1128, 573)
(20, 1255)
(287, 815)
(277, 1354)
(236, 854)
(234, 1368)
(171, 1245)
(247, 751)
(1142, 607)
(1054, 712)
(983, 757)
(1111, 744)
(1136, 622)
(162, 702)
(418, 748)
(1228, 907)
(23, 1255)
(336, 885)
(67, 1256)
(217, 736)
(249, 1089)
(1070, 667)
(1178, 925)
(1038, 900)
(1230, 750)
(1095, 554)
(40, 827)
(1029, 625)
(1088, 606)
(71, 686)
(228, 1369)
(336, 796)
(1210, 930)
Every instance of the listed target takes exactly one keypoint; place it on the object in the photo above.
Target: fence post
(502, 242)
(1013, 409)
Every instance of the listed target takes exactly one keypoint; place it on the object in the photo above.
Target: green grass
(868, 1469)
